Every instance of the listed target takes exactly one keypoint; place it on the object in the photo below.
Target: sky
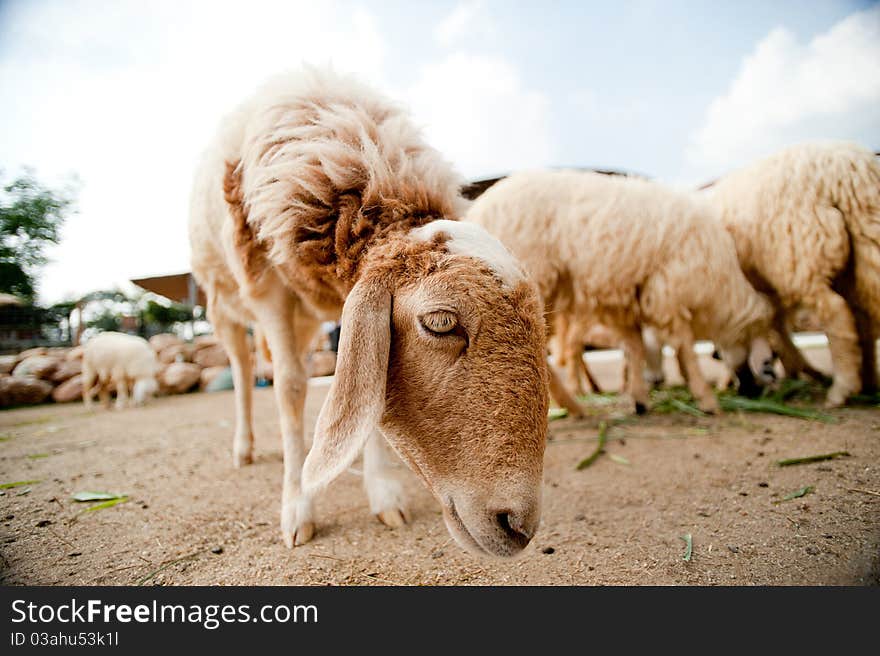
(125, 94)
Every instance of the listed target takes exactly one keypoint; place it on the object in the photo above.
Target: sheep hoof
(393, 518)
(242, 459)
(641, 408)
(302, 534)
(710, 407)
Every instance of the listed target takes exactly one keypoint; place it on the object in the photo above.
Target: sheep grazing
(806, 223)
(317, 198)
(623, 253)
(124, 362)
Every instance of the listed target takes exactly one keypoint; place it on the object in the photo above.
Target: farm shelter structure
(475, 188)
(178, 287)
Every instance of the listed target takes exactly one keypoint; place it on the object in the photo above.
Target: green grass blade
(732, 403)
(600, 447)
(808, 459)
(556, 413)
(797, 494)
(6, 486)
(688, 547)
(686, 408)
(106, 504)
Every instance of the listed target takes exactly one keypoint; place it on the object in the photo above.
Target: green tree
(106, 321)
(165, 315)
(31, 216)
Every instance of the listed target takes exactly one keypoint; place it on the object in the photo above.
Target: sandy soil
(193, 519)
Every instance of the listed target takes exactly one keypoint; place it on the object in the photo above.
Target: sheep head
(442, 349)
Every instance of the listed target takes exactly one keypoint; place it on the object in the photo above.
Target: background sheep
(625, 252)
(126, 362)
(806, 223)
(319, 197)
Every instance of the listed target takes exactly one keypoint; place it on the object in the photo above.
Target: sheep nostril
(513, 529)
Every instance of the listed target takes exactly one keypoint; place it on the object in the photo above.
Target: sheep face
(449, 364)
(466, 404)
(752, 364)
(144, 388)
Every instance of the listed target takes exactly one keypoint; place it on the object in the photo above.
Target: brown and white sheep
(627, 253)
(121, 361)
(806, 223)
(319, 197)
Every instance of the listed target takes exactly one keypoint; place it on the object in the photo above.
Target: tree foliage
(114, 304)
(106, 321)
(31, 216)
(165, 315)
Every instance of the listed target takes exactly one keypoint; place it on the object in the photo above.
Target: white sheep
(806, 223)
(623, 253)
(319, 197)
(126, 362)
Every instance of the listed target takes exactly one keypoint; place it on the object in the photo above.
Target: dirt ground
(193, 519)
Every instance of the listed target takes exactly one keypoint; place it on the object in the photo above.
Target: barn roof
(178, 287)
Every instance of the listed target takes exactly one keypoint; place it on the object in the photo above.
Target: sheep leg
(653, 358)
(121, 391)
(562, 350)
(561, 395)
(573, 354)
(868, 346)
(571, 340)
(289, 331)
(793, 360)
(88, 385)
(634, 351)
(104, 392)
(690, 364)
(383, 489)
(682, 365)
(843, 342)
(234, 339)
(588, 375)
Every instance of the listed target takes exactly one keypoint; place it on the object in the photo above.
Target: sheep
(806, 223)
(626, 252)
(317, 199)
(122, 361)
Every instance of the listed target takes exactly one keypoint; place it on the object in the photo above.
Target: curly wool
(798, 216)
(326, 166)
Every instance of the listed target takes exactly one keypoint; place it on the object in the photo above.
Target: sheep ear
(356, 399)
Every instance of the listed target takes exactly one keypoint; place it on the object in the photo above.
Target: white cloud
(788, 91)
(127, 94)
(476, 110)
(469, 18)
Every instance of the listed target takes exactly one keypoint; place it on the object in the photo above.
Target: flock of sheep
(319, 199)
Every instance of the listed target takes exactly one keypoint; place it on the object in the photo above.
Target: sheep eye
(439, 322)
